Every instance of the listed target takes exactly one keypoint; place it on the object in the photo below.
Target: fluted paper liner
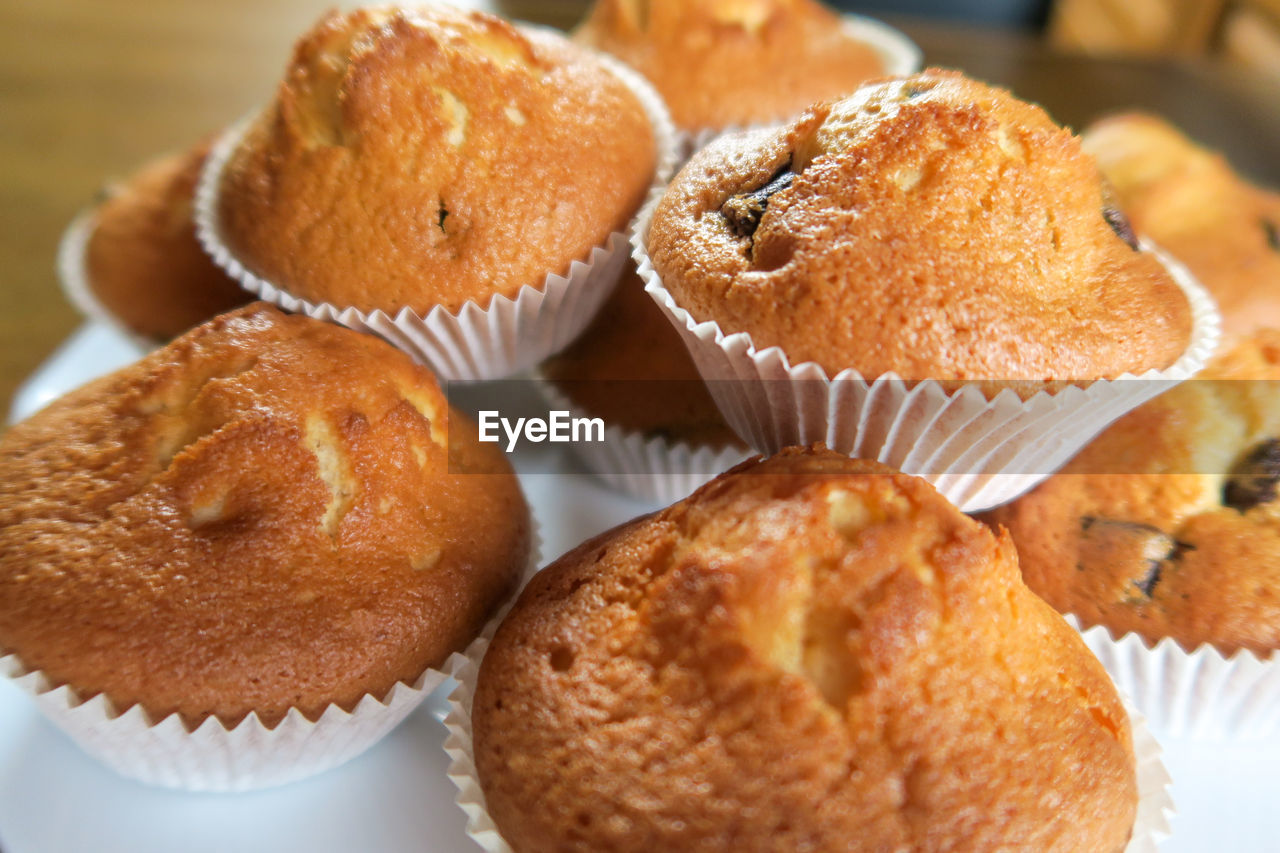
(977, 452)
(899, 57)
(1200, 694)
(1151, 824)
(74, 278)
(246, 757)
(650, 469)
(477, 342)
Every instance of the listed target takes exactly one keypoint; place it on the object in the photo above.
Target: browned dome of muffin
(809, 653)
(931, 226)
(423, 157)
(1189, 201)
(631, 368)
(265, 514)
(1167, 524)
(142, 260)
(732, 62)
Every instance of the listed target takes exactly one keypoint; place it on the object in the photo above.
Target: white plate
(396, 798)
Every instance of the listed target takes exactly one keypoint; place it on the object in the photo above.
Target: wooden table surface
(90, 89)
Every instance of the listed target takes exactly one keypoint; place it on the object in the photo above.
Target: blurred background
(91, 89)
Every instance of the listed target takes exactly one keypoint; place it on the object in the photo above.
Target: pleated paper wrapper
(250, 756)
(1151, 824)
(978, 452)
(1200, 694)
(898, 54)
(508, 336)
(650, 469)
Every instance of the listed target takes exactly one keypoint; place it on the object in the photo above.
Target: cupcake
(727, 63)
(442, 178)
(253, 538)
(664, 436)
(135, 261)
(927, 239)
(1167, 528)
(809, 653)
(1188, 200)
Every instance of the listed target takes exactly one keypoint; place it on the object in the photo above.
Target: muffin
(794, 658)
(1167, 524)
(415, 158)
(270, 515)
(722, 63)
(141, 261)
(631, 369)
(932, 227)
(663, 434)
(1187, 199)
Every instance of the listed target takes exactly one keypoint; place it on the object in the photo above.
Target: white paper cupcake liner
(250, 756)
(899, 57)
(978, 453)
(649, 469)
(1201, 694)
(477, 342)
(1150, 826)
(74, 277)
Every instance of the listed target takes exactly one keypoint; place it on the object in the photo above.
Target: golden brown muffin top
(1188, 200)
(423, 157)
(1167, 524)
(631, 368)
(265, 514)
(732, 62)
(807, 651)
(142, 259)
(932, 226)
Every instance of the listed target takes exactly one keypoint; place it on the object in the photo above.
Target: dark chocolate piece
(1252, 480)
(745, 210)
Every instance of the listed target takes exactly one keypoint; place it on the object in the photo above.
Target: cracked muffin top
(631, 368)
(142, 260)
(733, 62)
(810, 649)
(1167, 524)
(265, 514)
(423, 157)
(931, 226)
(1189, 201)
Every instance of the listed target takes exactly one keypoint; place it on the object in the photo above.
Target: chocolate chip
(1108, 541)
(744, 211)
(1252, 480)
(1120, 224)
(1273, 234)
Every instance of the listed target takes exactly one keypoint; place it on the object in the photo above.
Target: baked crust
(930, 226)
(265, 514)
(733, 62)
(142, 259)
(1187, 199)
(1166, 525)
(809, 653)
(408, 156)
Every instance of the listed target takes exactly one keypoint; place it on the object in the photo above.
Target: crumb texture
(143, 261)
(1190, 201)
(1167, 524)
(931, 226)
(808, 653)
(263, 515)
(733, 62)
(414, 158)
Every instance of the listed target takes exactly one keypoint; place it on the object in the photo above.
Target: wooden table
(91, 89)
